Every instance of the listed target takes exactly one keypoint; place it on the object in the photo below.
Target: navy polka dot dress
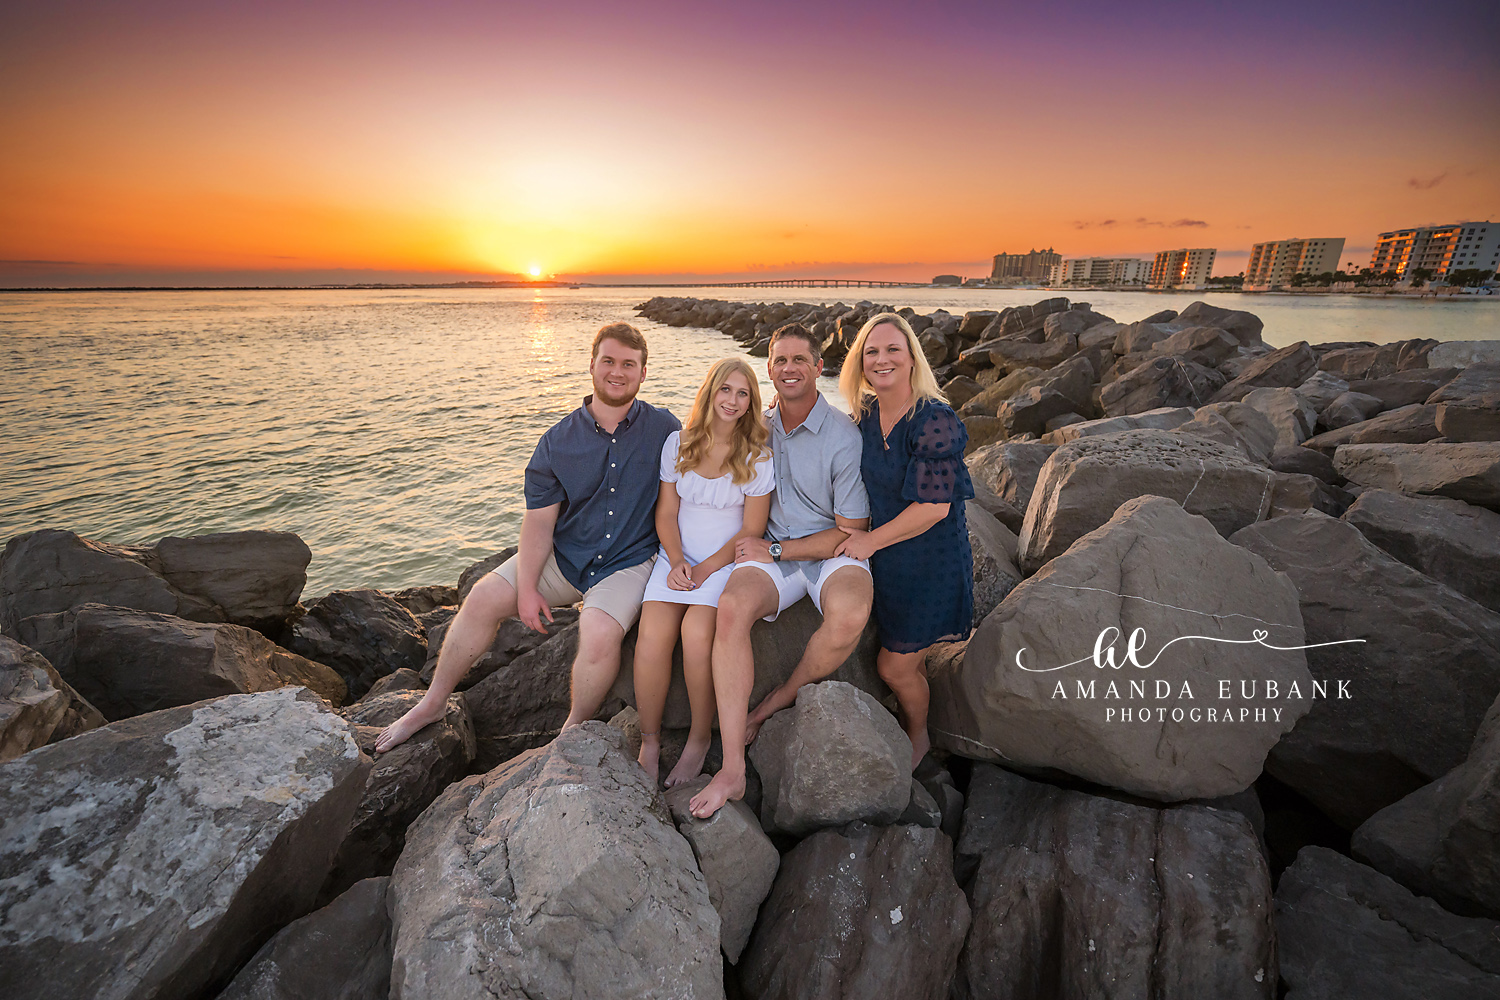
(924, 586)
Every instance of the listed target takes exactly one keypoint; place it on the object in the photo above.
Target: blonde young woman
(716, 484)
(918, 542)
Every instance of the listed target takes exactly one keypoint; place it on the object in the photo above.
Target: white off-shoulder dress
(709, 513)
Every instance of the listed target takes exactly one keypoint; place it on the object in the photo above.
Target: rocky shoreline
(1303, 799)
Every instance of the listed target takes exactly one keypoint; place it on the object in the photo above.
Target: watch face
(776, 550)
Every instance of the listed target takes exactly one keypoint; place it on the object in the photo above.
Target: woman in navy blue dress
(918, 542)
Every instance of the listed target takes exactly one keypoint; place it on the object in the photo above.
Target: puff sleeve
(936, 472)
(669, 473)
(764, 480)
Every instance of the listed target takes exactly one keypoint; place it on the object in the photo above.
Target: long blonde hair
(747, 443)
(856, 388)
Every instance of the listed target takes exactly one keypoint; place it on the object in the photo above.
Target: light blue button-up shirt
(817, 473)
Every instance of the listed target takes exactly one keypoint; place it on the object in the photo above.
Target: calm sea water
(390, 428)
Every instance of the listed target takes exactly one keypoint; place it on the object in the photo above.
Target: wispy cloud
(1141, 222)
(1427, 184)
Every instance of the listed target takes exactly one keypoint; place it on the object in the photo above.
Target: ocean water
(390, 428)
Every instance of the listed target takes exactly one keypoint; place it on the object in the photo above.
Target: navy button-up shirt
(607, 483)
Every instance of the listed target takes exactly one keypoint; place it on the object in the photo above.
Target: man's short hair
(625, 334)
(797, 330)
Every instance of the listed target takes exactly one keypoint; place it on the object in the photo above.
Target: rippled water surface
(390, 428)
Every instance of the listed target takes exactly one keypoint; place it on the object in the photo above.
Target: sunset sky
(282, 143)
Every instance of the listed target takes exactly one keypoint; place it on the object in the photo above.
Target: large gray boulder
(557, 875)
(1029, 410)
(1170, 381)
(1443, 840)
(1405, 388)
(1468, 406)
(833, 757)
(1349, 408)
(1291, 415)
(1206, 345)
(737, 859)
(1085, 481)
(524, 704)
(1345, 931)
(994, 548)
(255, 577)
(1469, 471)
(1027, 693)
(778, 647)
(49, 571)
(1412, 424)
(1449, 540)
(251, 578)
(1164, 418)
(149, 858)
(512, 639)
(1010, 468)
(1237, 425)
(402, 783)
(1077, 895)
(861, 913)
(1245, 327)
(1464, 353)
(1286, 366)
(363, 634)
(37, 706)
(130, 662)
(1393, 716)
(1370, 361)
(339, 952)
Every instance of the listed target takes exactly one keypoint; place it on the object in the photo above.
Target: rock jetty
(1228, 726)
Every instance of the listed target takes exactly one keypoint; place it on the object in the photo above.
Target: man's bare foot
(920, 744)
(649, 755)
(417, 717)
(690, 764)
(724, 788)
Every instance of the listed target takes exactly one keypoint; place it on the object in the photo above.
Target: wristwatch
(776, 551)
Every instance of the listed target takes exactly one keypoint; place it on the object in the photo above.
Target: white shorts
(796, 580)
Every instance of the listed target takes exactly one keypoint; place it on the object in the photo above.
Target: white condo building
(1273, 264)
(1182, 268)
(1102, 271)
(1461, 246)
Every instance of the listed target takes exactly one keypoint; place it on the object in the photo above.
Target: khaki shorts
(617, 595)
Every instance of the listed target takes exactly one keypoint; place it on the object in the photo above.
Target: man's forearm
(819, 546)
(535, 547)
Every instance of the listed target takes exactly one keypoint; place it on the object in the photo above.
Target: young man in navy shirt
(589, 534)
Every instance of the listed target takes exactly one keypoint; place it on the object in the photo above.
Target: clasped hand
(859, 545)
(681, 577)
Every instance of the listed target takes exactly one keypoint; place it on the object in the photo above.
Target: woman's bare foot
(724, 788)
(690, 764)
(416, 718)
(920, 744)
(649, 755)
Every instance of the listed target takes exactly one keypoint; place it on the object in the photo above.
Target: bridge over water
(817, 283)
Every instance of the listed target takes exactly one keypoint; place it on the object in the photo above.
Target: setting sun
(534, 270)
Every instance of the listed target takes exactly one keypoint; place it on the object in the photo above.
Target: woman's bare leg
(697, 671)
(661, 623)
(906, 675)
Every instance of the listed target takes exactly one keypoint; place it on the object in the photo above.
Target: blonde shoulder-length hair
(747, 443)
(856, 388)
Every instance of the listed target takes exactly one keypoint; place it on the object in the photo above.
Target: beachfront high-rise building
(1182, 268)
(1102, 271)
(1461, 246)
(1036, 266)
(1273, 264)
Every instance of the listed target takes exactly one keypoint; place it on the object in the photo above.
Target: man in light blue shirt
(820, 498)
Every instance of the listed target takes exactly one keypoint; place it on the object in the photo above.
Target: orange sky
(609, 140)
